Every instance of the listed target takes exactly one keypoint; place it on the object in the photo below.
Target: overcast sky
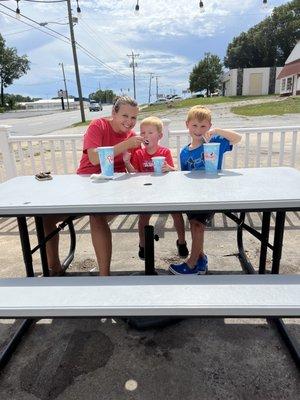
(170, 36)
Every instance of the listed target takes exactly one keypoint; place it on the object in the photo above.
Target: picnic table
(233, 192)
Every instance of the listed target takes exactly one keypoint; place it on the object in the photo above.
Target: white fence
(60, 154)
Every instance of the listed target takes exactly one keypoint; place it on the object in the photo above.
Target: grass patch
(289, 105)
(187, 103)
(205, 101)
(81, 123)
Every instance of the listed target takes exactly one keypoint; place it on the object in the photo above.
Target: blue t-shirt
(194, 159)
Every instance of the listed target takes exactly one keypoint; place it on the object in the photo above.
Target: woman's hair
(123, 100)
(200, 113)
(153, 121)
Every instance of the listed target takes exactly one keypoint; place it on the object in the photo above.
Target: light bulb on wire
(137, 8)
(265, 3)
(78, 10)
(201, 5)
(18, 12)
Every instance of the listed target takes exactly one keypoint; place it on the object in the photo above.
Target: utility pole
(156, 87)
(66, 90)
(73, 42)
(151, 76)
(132, 65)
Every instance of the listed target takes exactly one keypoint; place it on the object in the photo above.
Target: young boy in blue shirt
(192, 158)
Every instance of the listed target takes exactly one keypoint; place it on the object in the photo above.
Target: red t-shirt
(100, 133)
(142, 162)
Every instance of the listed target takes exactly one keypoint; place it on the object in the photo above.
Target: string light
(201, 5)
(18, 12)
(265, 3)
(78, 10)
(137, 8)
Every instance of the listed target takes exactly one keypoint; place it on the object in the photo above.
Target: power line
(46, 1)
(17, 32)
(35, 27)
(32, 20)
(88, 29)
(91, 55)
(52, 30)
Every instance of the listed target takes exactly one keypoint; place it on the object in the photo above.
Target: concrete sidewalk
(208, 358)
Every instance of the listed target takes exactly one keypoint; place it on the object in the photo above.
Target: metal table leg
(265, 231)
(42, 244)
(149, 250)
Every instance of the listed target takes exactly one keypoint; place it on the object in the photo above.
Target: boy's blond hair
(200, 113)
(153, 121)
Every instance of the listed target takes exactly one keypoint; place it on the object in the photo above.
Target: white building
(250, 81)
(51, 104)
(289, 76)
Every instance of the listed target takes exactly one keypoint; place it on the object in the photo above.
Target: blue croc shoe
(202, 265)
(183, 269)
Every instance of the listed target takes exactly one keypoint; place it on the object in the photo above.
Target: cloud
(170, 36)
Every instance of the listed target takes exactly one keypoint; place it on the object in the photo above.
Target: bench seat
(214, 295)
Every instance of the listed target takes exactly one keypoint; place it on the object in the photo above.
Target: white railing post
(166, 131)
(8, 159)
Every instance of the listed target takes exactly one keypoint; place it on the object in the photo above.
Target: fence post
(166, 130)
(8, 159)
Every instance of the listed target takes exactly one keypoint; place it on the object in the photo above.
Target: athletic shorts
(204, 218)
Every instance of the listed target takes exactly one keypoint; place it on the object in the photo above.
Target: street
(39, 122)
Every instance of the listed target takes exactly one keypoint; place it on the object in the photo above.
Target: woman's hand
(134, 142)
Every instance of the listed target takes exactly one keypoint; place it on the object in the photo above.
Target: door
(255, 84)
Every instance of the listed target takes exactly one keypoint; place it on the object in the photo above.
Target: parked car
(177, 98)
(159, 101)
(94, 106)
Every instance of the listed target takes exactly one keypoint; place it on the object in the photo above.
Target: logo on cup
(110, 159)
(210, 156)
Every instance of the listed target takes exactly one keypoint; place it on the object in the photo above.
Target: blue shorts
(204, 218)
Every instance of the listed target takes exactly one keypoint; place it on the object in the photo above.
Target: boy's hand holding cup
(166, 167)
(158, 163)
(207, 135)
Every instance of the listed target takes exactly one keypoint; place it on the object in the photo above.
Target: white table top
(236, 189)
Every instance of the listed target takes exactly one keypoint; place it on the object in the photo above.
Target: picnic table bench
(184, 296)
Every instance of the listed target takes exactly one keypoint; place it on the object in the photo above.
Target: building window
(283, 85)
(289, 84)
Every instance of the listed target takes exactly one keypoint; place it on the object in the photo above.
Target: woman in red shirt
(115, 131)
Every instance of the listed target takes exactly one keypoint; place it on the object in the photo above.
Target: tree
(205, 75)
(13, 99)
(103, 96)
(268, 43)
(12, 66)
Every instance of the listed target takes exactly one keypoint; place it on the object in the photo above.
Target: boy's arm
(128, 165)
(167, 167)
(168, 164)
(232, 136)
